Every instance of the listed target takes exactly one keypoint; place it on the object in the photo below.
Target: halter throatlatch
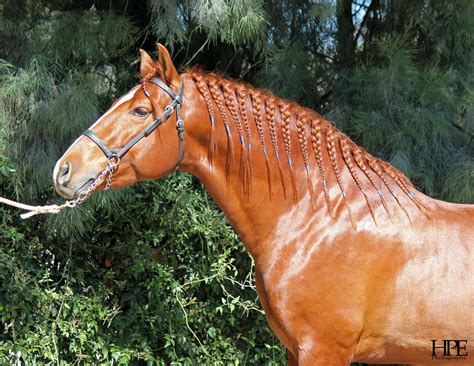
(117, 154)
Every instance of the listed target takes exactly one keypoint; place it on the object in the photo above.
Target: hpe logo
(449, 349)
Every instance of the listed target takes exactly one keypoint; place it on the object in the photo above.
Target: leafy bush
(174, 287)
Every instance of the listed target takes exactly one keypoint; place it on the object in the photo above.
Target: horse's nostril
(65, 169)
(64, 173)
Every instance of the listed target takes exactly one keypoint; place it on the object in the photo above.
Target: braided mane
(249, 106)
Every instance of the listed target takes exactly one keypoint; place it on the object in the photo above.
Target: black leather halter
(117, 154)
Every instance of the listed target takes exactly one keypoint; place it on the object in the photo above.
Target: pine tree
(104, 283)
(108, 283)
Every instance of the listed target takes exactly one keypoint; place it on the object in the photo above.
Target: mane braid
(242, 102)
(376, 168)
(316, 139)
(203, 89)
(270, 110)
(219, 99)
(243, 113)
(257, 110)
(401, 180)
(286, 130)
(232, 105)
(331, 146)
(348, 159)
(241, 98)
(360, 159)
(301, 122)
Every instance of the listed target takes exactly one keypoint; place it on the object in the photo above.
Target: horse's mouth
(84, 187)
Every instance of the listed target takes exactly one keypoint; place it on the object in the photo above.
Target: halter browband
(117, 154)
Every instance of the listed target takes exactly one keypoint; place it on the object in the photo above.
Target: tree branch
(463, 130)
(374, 4)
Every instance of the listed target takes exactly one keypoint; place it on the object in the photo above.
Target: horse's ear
(168, 71)
(147, 65)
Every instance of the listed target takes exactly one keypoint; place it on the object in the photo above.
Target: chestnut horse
(352, 262)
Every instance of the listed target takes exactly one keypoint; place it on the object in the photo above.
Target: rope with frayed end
(81, 198)
(37, 210)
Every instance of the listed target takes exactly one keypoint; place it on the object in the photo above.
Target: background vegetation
(154, 274)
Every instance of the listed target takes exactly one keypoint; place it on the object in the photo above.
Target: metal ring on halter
(114, 160)
(114, 155)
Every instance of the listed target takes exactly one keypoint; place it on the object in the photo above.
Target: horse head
(124, 138)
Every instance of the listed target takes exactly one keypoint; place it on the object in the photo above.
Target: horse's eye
(141, 112)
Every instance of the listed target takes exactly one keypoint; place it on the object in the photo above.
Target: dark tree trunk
(345, 34)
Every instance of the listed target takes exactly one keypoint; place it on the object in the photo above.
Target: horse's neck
(271, 165)
(235, 177)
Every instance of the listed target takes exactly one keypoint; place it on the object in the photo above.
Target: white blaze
(123, 99)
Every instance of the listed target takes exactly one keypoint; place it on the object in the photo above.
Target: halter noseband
(117, 154)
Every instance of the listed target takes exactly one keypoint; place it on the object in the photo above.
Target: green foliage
(233, 22)
(77, 37)
(95, 285)
(154, 273)
(289, 71)
(166, 24)
(157, 289)
(405, 113)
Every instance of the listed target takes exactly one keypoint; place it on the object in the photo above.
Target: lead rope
(113, 157)
(81, 198)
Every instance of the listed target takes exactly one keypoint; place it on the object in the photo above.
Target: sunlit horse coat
(352, 262)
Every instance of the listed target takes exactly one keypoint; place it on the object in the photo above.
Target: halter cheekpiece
(115, 155)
